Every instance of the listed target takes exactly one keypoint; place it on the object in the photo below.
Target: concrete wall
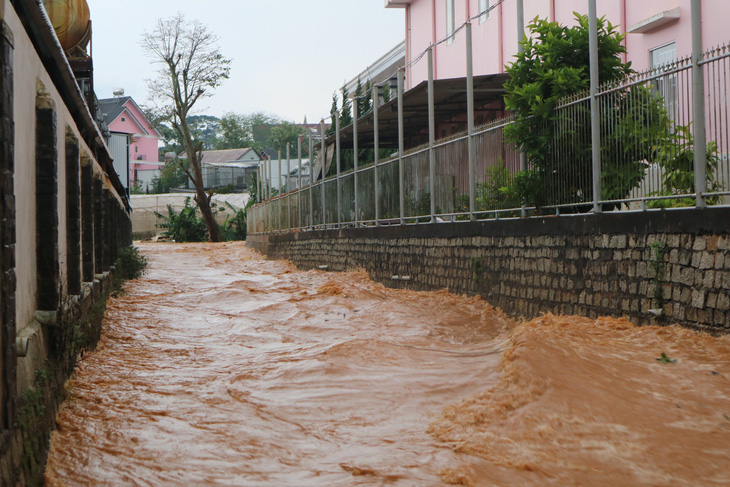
(63, 218)
(588, 265)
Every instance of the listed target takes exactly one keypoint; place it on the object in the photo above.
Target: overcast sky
(289, 56)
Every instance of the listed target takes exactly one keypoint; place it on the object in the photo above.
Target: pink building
(658, 31)
(123, 116)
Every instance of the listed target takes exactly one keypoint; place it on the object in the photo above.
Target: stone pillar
(73, 216)
(46, 174)
(87, 220)
(106, 226)
(98, 228)
(8, 390)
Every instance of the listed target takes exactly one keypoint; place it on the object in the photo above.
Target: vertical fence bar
(356, 159)
(520, 49)
(288, 183)
(324, 173)
(401, 148)
(698, 106)
(595, 109)
(311, 180)
(431, 137)
(470, 122)
(299, 182)
(339, 168)
(278, 174)
(376, 143)
(259, 174)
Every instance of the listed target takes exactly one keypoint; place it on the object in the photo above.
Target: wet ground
(221, 368)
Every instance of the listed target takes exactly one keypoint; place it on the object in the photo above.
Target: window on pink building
(450, 20)
(484, 7)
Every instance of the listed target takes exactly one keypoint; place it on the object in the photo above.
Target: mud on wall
(620, 264)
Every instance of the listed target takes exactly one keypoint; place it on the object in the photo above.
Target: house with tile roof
(123, 116)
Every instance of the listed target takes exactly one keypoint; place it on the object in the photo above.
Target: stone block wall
(616, 264)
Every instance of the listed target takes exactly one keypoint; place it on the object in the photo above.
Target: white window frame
(484, 6)
(450, 20)
(666, 86)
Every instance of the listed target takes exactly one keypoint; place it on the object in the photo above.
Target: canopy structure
(450, 102)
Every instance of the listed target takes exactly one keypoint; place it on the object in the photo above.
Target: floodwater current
(222, 368)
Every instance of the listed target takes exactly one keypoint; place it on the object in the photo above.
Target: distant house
(228, 167)
(125, 119)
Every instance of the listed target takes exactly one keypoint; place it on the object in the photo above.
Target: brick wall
(592, 265)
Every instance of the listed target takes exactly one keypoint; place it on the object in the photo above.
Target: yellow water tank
(70, 20)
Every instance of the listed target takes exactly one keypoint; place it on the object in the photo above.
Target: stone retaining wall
(592, 265)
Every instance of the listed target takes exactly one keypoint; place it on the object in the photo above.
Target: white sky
(289, 56)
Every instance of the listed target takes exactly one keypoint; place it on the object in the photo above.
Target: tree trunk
(201, 197)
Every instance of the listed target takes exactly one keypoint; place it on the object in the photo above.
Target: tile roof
(112, 107)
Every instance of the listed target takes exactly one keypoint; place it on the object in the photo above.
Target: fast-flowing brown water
(221, 368)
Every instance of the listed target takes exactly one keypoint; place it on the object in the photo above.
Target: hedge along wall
(614, 264)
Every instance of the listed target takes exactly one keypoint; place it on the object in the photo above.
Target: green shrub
(130, 264)
(185, 226)
(234, 228)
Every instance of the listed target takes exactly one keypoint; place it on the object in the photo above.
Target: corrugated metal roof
(219, 156)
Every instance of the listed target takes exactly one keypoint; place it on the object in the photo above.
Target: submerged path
(221, 368)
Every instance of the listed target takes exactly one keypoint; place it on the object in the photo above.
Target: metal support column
(470, 123)
(324, 172)
(376, 143)
(401, 149)
(698, 106)
(311, 181)
(431, 137)
(595, 109)
(299, 182)
(520, 49)
(338, 160)
(288, 184)
(356, 158)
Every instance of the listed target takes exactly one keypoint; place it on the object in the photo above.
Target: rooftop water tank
(71, 21)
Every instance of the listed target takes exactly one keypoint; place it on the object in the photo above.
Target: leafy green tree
(555, 64)
(234, 132)
(283, 133)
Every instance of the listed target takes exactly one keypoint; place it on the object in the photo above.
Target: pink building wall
(145, 138)
(495, 40)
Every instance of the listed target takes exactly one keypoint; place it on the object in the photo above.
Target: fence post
(376, 143)
(470, 122)
(278, 175)
(698, 106)
(520, 49)
(595, 109)
(288, 183)
(324, 173)
(259, 173)
(339, 168)
(356, 159)
(431, 137)
(299, 182)
(401, 148)
(311, 180)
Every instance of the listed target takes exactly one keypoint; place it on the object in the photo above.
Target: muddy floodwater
(221, 368)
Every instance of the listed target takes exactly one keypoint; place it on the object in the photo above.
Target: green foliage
(130, 264)
(185, 226)
(137, 188)
(234, 228)
(676, 158)
(285, 133)
(553, 65)
(227, 189)
(172, 176)
(666, 359)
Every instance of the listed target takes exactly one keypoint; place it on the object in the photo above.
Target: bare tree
(191, 67)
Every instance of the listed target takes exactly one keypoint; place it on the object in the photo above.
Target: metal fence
(647, 162)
